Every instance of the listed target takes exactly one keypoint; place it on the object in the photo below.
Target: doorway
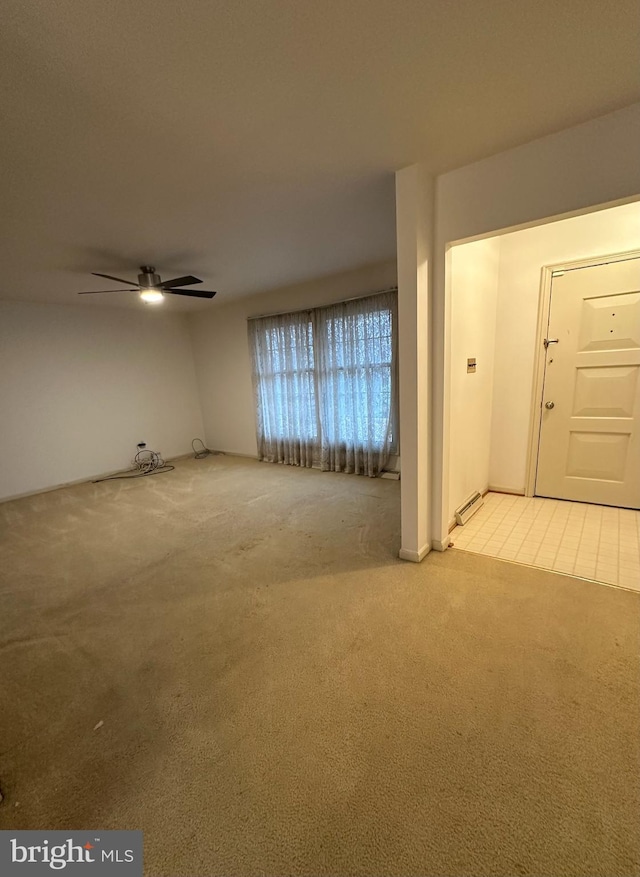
(509, 294)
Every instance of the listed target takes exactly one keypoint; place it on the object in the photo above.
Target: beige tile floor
(591, 541)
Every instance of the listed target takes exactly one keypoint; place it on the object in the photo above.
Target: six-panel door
(589, 439)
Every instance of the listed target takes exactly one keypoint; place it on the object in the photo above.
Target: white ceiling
(253, 143)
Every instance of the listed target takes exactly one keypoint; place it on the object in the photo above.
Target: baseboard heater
(469, 508)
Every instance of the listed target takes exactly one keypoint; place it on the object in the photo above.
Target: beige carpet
(281, 695)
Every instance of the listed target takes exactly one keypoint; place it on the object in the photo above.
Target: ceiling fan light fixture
(151, 296)
(152, 289)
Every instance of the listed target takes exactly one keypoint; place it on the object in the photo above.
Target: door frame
(544, 307)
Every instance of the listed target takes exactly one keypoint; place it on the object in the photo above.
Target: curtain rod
(341, 302)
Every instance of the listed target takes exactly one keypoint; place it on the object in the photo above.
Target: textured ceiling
(254, 143)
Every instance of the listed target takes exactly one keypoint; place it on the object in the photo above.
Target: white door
(590, 433)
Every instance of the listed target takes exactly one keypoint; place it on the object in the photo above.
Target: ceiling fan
(152, 288)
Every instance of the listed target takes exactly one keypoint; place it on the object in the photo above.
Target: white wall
(522, 256)
(474, 299)
(221, 349)
(79, 387)
(589, 164)
(566, 173)
(414, 234)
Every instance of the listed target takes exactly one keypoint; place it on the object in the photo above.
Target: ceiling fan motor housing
(148, 279)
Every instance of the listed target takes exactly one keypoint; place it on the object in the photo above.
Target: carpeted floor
(280, 695)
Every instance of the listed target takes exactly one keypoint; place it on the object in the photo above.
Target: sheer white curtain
(356, 362)
(325, 385)
(285, 388)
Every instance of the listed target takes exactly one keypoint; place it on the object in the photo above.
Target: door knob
(549, 405)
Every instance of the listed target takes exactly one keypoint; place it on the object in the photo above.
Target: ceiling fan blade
(98, 291)
(110, 277)
(179, 281)
(194, 293)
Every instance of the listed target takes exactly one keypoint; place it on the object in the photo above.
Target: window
(358, 377)
(325, 385)
(288, 381)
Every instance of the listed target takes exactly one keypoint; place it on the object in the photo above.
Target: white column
(440, 370)
(414, 227)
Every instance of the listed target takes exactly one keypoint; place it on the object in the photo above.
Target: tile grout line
(582, 544)
(543, 536)
(482, 526)
(570, 521)
(525, 506)
(487, 538)
(584, 517)
(598, 541)
(555, 556)
(513, 526)
(524, 538)
(617, 544)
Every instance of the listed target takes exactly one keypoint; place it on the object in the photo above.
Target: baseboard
(188, 456)
(90, 480)
(393, 463)
(414, 556)
(440, 546)
(234, 454)
(58, 486)
(391, 474)
(510, 490)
